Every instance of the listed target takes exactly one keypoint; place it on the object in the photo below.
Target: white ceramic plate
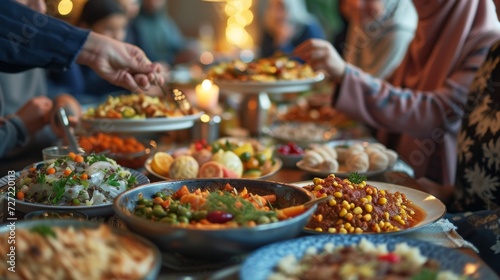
(140, 125)
(277, 166)
(433, 207)
(91, 211)
(343, 171)
(282, 86)
(302, 133)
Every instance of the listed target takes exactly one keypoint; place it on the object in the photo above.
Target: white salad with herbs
(74, 180)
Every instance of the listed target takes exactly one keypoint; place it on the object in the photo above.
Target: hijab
(367, 41)
(447, 32)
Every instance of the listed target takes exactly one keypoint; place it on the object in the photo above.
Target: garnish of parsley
(44, 230)
(356, 178)
(242, 210)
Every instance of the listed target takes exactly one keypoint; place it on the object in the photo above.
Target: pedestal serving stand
(255, 105)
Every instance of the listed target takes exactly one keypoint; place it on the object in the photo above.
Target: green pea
(199, 215)
(263, 220)
(158, 194)
(159, 212)
(149, 203)
(184, 212)
(157, 206)
(274, 219)
(174, 207)
(142, 201)
(169, 220)
(148, 211)
(172, 215)
(183, 220)
(76, 201)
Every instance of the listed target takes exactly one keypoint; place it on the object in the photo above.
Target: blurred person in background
(417, 110)
(473, 202)
(286, 24)
(25, 111)
(105, 17)
(378, 34)
(160, 37)
(131, 8)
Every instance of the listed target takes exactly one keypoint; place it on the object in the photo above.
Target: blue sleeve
(13, 134)
(30, 39)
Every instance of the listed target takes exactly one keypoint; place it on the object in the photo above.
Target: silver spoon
(73, 143)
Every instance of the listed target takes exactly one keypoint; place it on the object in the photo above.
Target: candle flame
(206, 84)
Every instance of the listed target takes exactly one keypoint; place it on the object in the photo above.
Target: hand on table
(35, 113)
(119, 63)
(321, 55)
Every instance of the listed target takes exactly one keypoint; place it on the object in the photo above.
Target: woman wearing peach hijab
(417, 110)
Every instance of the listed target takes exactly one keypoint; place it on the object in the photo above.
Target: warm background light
(65, 7)
(239, 16)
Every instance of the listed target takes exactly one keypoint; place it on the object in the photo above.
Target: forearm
(30, 39)
(13, 134)
(401, 110)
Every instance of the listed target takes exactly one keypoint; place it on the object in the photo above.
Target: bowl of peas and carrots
(214, 218)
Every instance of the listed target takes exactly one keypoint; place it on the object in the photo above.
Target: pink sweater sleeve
(414, 112)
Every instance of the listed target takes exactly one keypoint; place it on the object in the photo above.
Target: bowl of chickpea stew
(214, 218)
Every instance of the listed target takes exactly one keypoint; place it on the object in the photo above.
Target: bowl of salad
(86, 184)
(214, 218)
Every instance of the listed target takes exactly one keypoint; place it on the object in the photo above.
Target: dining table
(176, 267)
(442, 232)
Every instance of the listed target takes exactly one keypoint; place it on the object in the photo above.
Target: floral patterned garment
(477, 184)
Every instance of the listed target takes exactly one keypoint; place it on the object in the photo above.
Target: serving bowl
(108, 237)
(289, 153)
(126, 150)
(212, 244)
(55, 214)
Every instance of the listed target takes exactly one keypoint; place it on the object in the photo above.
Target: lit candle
(207, 95)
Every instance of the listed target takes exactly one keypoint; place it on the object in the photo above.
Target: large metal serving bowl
(215, 243)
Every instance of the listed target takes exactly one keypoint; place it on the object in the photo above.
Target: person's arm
(389, 51)
(384, 106)
(30, 39)
(13, 134)
(403, 110)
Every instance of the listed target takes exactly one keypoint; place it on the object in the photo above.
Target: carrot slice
(182, 192)
(291, 211)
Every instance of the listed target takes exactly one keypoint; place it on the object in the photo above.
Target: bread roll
(342, 153)
(357, 161)
(392, 156)
(330, 165)
(325, 151)
(378, 160)
(378, 146)
(356, 148)
(312, 158)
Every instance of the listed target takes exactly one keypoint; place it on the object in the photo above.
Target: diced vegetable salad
(225, 208)
(74, 180)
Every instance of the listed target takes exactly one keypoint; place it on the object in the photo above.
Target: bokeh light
(239, 16)
(65, 7)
